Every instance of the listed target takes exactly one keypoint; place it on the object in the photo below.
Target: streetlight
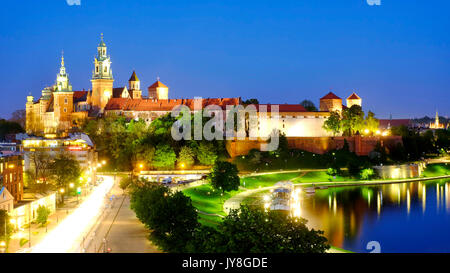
(62, 194)
(3, 246)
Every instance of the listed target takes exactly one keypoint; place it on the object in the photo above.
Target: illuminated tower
(158, 91)
(62, 100)
(134, 86)
(436, 122)
(102, 79)
(354, 99)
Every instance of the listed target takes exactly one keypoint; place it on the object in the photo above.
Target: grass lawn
(267, 180)
(437, 170)
(204, 198)
(209, 220)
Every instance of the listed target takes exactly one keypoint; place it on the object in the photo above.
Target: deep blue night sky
(395, 56)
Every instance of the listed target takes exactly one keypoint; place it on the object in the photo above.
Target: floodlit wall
(360, 145)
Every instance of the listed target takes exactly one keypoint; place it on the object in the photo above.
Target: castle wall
(362, 146)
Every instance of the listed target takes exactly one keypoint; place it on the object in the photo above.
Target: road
(118, 229)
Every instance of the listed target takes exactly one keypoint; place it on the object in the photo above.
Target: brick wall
(360, 145)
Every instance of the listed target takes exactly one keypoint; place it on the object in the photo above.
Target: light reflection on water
(406, 217)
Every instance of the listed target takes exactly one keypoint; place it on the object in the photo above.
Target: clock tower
(102, 79)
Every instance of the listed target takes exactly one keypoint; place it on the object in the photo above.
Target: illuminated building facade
(436, 124)
(79, 146)
(11, 174)
(60, 110)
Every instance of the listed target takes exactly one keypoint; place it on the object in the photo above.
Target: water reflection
(406, 217)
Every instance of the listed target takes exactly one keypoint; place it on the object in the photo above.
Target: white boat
(281, 196)
(310, 190)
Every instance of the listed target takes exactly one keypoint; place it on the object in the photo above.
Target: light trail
(68, 235)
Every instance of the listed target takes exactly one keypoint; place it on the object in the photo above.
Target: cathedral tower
(102, 79)
(62, 100)
(134, 86)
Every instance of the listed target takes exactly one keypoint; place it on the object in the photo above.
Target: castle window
(65, 110)
(106, 69)
(97, 69)
(66, 101)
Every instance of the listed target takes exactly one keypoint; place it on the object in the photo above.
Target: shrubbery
(175, 228)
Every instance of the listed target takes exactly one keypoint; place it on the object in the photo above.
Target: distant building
(11, 174)
(354, 99)
(79, 145)
(387, 124)
(60, 110)
(436, 124)
(6, 200)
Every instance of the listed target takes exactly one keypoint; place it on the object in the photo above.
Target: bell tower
(102, 79)
(134, 86)
(62, 101)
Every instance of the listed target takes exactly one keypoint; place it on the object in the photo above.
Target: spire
(133, 77)
(62, 79)
(437, 118)
(102, 68)
(62, 69)
(102, 43)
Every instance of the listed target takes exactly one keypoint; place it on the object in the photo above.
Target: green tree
(367, 174)
(171, 216)
(283, 145)
(332, 171)
(352, 120)
(186, 156)
(371, 123)
(65, 170)
(9, 127)
(250, 101)
(309, 105)
(256, 231)
(206, 153)
(19, 116)
(224, 176)
(144, 153)
(333, 123)
(165, 157)
(42, 214)
(40, 170)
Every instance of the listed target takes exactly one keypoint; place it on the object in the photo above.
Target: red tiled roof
(330, 96)
(165, 105)
(282, 107)
(157, 84)
(117, 92)
(79, 96)
(354, 97)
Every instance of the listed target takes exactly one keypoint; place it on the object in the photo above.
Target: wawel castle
(60, 109)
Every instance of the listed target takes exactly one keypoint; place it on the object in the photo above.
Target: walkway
(33, 235)
(118, 229)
